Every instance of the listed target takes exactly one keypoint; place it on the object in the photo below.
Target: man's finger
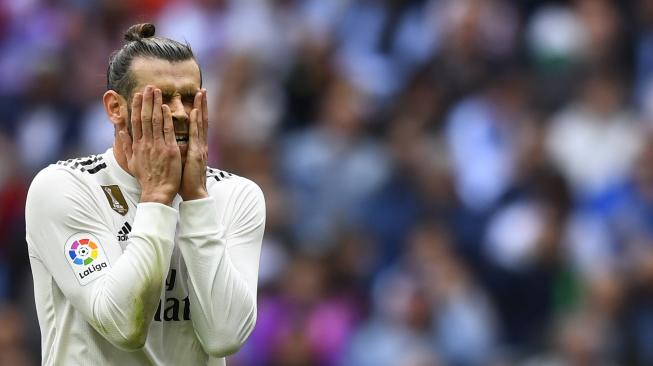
(197, 104)
(146, 113)
(157, 116)
(205, 117)
(192, 130)
(137, 103)
(198, 119)
(168, 126)
(126, 125)
(126, 143)
(197, 101)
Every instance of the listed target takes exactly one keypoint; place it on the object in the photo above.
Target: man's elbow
(226, 345)
(224, 348)
(130, 340)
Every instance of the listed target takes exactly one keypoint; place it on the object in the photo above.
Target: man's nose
(178, 110)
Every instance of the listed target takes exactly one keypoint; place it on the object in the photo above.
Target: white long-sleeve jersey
(118, 282)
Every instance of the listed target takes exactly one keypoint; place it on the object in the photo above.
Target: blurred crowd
(448, 182)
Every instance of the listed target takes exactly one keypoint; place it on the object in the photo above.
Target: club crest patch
(86, 257)
(116, 199)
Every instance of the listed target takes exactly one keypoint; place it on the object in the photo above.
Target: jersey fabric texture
(118, 282)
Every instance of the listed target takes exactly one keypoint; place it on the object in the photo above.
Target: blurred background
(448, 182)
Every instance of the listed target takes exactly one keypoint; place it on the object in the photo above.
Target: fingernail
(148, 89)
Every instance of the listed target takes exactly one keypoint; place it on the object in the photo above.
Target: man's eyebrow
(186, 91)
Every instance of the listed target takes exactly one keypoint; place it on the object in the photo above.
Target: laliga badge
(86, 257)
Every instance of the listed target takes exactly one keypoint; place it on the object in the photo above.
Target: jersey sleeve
(117, 293)
(222, 264)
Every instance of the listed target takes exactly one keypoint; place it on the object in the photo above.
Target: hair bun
(139, 31)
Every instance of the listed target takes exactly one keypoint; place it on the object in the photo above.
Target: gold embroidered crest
(116, 199)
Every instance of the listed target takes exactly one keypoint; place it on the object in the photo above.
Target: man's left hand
(193, 180)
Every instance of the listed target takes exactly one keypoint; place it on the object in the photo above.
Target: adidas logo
(122, 234)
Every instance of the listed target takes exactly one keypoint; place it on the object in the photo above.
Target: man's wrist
(197, 195)
(156, 198)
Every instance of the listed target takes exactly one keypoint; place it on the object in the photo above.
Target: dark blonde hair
(141, 42)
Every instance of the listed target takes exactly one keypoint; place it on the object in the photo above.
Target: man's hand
(152, 153)
(193, 181)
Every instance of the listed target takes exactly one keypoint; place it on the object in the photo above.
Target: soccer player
(143, 255)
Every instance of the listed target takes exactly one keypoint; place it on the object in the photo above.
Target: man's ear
(116, 108)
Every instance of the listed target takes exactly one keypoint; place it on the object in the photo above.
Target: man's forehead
(178, 75)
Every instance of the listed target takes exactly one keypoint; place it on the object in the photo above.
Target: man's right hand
(152, 153)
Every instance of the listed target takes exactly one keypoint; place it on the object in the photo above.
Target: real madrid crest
(116, 199)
